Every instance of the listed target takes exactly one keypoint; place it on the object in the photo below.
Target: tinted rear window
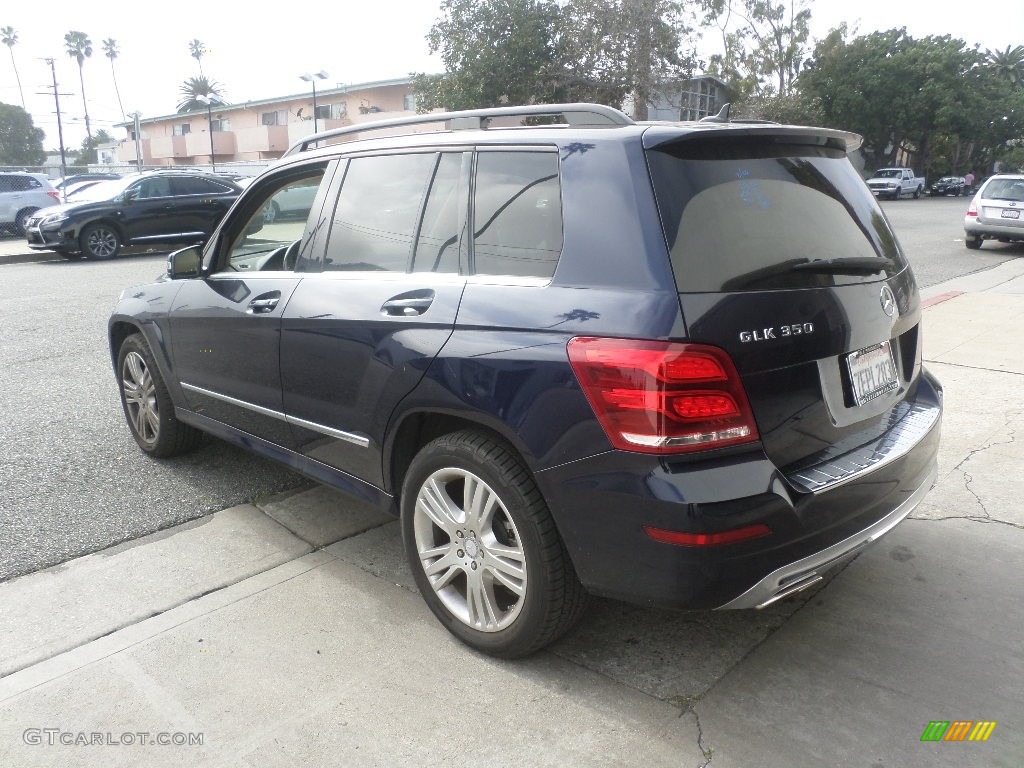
(744, 215)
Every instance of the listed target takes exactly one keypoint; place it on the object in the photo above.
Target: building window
(409, 102)
(183, 129)
(700, 99)
(280, 117)
(221, 124)
(323, 111)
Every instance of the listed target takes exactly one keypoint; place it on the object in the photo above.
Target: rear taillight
(663, 397)
(54, 194)
(973, 210)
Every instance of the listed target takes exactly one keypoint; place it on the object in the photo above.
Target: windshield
(103, 190)
(759, 215)
(950, 180)
(888, 173)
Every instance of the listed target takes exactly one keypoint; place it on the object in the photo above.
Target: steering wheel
(291, 256)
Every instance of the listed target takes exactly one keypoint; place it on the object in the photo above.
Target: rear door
(359, 336)
(782, 258)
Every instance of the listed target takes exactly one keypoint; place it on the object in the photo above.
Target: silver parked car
(996, 212)
(21, 195)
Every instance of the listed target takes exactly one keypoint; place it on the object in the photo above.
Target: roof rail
(576, 115)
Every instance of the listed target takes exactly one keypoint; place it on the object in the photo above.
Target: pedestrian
(968, 180)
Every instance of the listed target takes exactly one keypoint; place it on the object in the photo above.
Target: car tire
(484, 549)
(21, 220)
(973, 243)
(917, 193)
(147, 404)
(271, 213)
(99, 241)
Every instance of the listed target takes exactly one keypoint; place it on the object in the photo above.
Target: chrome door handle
(407, 306)
(262, 304)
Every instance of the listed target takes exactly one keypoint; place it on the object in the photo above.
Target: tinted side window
(16, 183)
(154, 187)
(437, 245)
(379, 206)
(193, 185)
(518, 214)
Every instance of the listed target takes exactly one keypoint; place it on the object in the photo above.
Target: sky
(257, 51)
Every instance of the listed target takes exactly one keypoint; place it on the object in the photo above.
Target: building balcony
(198, 144)
(126, 152)
(262, 138)
(163, 147)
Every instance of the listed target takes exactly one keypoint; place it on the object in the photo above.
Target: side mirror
(185, 263)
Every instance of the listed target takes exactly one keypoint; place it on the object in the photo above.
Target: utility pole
(60, 127)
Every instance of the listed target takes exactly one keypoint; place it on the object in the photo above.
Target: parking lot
(923, 627)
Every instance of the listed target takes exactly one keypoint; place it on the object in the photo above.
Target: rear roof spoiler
(661, 134)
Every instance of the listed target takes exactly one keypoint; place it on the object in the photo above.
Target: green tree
(87, 154)
(494, 52)
(10, 39)
(1008, 64)
(79, 47)
(922, 96)
(21, 143)
(194, 87)
(764, 43)
(197, 49)
(110, 51)
(614, 50)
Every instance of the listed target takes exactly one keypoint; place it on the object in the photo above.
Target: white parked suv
(21, 195)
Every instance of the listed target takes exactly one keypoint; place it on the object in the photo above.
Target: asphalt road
(72, 480)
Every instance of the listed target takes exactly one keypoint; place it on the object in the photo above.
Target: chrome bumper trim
(801, 574)
(896, 443)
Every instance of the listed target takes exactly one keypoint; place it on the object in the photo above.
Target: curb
(32, 256)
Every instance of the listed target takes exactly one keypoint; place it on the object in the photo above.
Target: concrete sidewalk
(290, 633)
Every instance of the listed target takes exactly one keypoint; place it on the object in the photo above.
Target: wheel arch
(417, 428)
(112, 223)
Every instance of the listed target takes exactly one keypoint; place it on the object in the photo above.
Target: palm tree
(198, 86)
(110, 51)
(1008, 63)
(10, 38)
(197, 49)
(79, 47)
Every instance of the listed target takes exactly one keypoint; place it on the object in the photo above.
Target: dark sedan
(948, 185)
(156, 207)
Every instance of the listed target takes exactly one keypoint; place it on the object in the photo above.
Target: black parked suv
(151, 207)
(676, 364)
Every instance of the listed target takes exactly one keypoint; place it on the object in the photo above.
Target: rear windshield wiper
(858, 265)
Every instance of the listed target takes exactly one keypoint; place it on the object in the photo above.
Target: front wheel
(484, 549)
(147, 403)
(21, 220)
(99, 241)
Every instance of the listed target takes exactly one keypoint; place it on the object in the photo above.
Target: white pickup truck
(896, 182)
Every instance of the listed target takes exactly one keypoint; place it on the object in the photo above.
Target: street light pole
(138, 140)
(311, 78)
(208, 101)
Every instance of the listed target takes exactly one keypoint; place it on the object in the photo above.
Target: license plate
(872, 372)
(1009, 213)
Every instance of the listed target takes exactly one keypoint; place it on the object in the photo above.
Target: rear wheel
(99, 241)
(483, 547)
(147, 403)
(21, 220)
(917, 193)
(974, 243)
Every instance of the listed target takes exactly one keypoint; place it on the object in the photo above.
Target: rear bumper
(601, 505)
(992, 230)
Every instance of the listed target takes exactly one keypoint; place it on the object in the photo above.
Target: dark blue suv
(675, 364)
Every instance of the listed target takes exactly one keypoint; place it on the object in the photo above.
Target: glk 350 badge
(777, 332)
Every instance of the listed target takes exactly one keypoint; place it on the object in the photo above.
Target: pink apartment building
(263, 129)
